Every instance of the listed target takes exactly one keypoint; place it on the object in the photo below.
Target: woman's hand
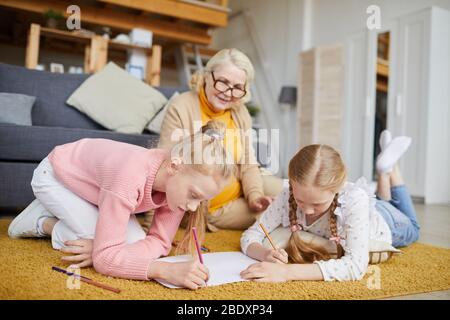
(190, 274)
(276, 256)
(260, 204)
(266, 272)
(81, 251)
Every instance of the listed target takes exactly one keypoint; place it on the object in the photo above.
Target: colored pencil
(197, 244)
(87, 280)
(268, 236)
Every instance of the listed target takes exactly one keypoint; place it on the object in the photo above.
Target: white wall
(268, 32)
(282, 30)
(333, 20)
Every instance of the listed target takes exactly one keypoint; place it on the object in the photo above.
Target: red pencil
(197, 244)
(87, 280)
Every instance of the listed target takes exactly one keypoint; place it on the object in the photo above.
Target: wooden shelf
(127, 46)
(219, 7)
(382, 67)
(64, 35)
(382, 74)
(126, 21)
(192, 11)
(204, 52)
(96, 51)
(85, 38)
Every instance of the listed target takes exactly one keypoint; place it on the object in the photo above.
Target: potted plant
(52, 18)
(253, 109)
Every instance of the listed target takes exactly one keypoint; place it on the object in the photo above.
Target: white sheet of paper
(224, 267)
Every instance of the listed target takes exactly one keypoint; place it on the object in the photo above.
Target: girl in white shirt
(318, 200)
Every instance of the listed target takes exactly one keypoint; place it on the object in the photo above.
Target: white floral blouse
(357, 222)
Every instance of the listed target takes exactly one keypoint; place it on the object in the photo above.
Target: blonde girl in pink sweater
(91, 189)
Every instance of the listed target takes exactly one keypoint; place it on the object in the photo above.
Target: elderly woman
(219, 92)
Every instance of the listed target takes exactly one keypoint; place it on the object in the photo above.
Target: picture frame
(56, 67)
(136, 71)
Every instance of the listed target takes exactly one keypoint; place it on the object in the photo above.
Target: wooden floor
(435, 230)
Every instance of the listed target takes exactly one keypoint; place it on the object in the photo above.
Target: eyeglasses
(223, 87)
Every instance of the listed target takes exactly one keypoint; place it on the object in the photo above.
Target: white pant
(77, 217)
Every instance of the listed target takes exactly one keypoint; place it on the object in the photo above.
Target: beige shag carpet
(25, 273)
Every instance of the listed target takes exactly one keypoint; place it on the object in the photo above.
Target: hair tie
(296, 227)
(336, 239)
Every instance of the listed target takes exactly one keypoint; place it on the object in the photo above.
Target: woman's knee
(235, 216)
(272, 185)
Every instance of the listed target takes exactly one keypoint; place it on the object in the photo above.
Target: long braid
(292, 207)
(333, 225)
(333, 218)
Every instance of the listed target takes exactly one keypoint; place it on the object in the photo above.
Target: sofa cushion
(34, 143)
(51, 91)
(15, 108)
(117, 100)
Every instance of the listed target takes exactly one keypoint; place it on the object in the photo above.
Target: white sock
(40, 226)
(385, 139)
(392, 153)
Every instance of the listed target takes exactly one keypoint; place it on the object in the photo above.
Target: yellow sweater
(232, 141)
(184, 113)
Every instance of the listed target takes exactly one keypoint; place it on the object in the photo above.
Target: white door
(409, 113)
(359, 102)
(418, 100)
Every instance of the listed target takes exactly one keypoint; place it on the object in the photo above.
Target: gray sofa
(53, 123)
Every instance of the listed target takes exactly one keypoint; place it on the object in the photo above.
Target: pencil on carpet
(87, 280)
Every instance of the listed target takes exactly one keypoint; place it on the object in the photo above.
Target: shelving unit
(95, 52)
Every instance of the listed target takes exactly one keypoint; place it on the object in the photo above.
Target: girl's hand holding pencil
(276, 255)
(190, 274)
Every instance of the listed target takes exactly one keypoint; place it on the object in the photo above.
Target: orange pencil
(268, 236)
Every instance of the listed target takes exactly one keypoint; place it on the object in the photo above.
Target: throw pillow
(155, 124)
(16, 108)
(117, 100)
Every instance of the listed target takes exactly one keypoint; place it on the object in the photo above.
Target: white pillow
(379, 251)
(117, 100)
(155, 124)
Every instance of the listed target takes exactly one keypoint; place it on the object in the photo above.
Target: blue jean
(400, 216)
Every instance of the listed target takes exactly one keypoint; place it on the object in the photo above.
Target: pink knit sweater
(118, 178)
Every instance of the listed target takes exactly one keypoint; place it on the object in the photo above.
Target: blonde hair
(215, 162)
(320, 166)
(221, 58)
